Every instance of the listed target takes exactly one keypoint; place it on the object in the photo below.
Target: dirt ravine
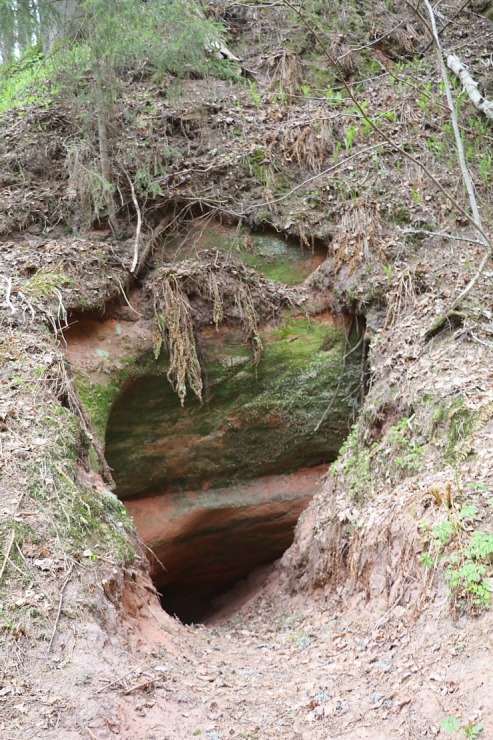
(376, 622)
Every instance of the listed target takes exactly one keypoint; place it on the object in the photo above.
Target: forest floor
(273, 666)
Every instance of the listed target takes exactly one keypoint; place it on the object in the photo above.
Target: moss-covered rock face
(255, 422)
(283, 260)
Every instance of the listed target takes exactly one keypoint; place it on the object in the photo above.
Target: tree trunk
(104, 156)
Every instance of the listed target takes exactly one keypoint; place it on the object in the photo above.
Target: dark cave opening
(218, 548)
(216, 489)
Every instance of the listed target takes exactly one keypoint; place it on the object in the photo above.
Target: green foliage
(407, 454)
(166, 36)
(360, 464)
(451, 724)
(26, 81)
(349, 136)
(355, 466)
(466, 553)
(254, 93)
(44, 283)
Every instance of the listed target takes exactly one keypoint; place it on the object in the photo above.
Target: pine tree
(91, 45)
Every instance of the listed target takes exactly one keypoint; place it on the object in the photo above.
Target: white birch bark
(470, 85)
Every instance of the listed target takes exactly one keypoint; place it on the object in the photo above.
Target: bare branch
(8, 302)
(470, 86)
(482, 238)
(139, 223)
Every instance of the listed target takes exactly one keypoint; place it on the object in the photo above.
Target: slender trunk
(104, 156)
(55, 18)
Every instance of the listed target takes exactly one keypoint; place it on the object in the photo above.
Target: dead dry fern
(360, 236)
(308, 144)
(287, 73)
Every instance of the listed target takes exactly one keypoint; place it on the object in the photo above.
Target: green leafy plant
(466, 554)
(388, 272)
(451, 724)
(336, 152)
(334, 97)
(407, 453)
(350, 136)
(254, 93)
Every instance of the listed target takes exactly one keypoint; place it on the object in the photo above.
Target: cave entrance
(216, 489)
(216, 538)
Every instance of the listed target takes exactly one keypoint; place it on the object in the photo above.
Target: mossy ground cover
(52, 524)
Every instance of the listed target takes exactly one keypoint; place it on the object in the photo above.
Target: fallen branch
(470, 86)
(7, 553)
(60, 604)
(143, 685)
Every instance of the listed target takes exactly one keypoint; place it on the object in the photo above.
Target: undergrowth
(464, 551)
(79, 516)
(396, 456)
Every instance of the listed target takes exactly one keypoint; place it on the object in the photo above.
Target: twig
(341, 376)
(481, 341)
(139, 223)
(313, 177)
(126, 299)
(7, 553)
(120, 678)
(385, 617)
(451, 237)
(78, 408)
(371, 43)
(143, 685)
(60, 604)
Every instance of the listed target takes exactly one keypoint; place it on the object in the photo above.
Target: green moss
(461, 422)
(451, 424)
(87, 518)
(98, 398)
(256, 420)
(44, 283)
(268, 253)
(396, 456)
(354, 464)
(401, 217)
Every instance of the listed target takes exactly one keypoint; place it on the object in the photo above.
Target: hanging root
(209, 289)
(177, 328)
